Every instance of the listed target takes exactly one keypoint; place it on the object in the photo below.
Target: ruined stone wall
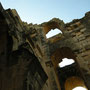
(80, 33)
(21, 44)
(17, 54)
(76, 36)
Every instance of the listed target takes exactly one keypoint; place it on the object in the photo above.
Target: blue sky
(38, 11)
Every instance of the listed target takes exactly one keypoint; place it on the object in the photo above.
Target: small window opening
(66, 62)
(79, 88)
(52, 33)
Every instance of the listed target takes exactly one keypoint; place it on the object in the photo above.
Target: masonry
(29, 60)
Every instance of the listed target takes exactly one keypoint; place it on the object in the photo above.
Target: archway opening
(66, 62)
(79, 88)
(62, 53)
(53, 32)
(68, 74)
(75, 83)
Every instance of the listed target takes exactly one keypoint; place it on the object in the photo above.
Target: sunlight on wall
(53, 33)
(79, 88)
(66, 62)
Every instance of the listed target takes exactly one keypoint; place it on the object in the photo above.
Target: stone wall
(28, 60)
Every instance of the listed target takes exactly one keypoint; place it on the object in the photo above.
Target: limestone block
(82, 30)
(81, 37)
(78, 33)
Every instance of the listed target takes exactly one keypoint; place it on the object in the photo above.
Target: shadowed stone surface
(29, 61)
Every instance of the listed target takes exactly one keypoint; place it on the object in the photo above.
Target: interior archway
(79, 88)
(52, 24)
(65, 72)
(61, 53)
(75, 83)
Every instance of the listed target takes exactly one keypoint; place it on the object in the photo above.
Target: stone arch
(61, 53)
(73, 82)
(53, 24)
(57, 56)
(66, 72)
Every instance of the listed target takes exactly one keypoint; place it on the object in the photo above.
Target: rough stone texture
(29, 61)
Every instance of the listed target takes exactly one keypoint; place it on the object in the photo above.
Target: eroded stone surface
(21, 44)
